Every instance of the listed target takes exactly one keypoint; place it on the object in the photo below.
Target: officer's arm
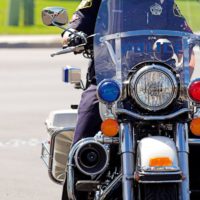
(84, 18)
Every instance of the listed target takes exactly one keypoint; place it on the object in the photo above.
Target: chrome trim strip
(152, 118)
(106, 140)
(160, 170)
(173, 181)
(183, 150)
(194, 141)
(111, 52)
(182, 137)
(186, 62)
(127, 148)
(197, 112)
(118, 49)
(109, 188)
(147, 32)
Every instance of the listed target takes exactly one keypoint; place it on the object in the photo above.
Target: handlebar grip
(67, 50)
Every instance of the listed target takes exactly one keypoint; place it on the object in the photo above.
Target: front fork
(127, 145)
(183, 151)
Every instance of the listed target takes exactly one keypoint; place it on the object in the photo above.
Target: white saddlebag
(60, 126)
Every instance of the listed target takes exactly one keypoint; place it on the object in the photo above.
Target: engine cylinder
(91, 158)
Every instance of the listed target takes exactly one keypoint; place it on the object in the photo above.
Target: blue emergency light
(109, 91)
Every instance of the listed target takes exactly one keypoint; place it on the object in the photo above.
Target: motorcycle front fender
(157, 160)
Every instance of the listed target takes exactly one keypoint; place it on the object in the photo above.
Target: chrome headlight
(153, 87)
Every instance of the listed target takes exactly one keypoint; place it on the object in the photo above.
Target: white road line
(15, 143)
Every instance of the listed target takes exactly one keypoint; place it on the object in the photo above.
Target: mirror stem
(58, 26)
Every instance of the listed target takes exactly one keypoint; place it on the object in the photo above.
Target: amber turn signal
(160, 162)
(195, 126)
(110, 127)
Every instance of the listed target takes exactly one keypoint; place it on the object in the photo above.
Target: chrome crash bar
(151, 117)
(48, 150)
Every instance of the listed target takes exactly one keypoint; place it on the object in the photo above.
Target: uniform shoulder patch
(85, 4)
(177, 11)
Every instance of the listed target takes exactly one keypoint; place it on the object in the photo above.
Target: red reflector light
(194, 91)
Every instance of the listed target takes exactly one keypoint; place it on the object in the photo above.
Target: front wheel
(159, 191)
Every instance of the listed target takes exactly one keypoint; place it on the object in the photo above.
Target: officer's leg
(89, 120)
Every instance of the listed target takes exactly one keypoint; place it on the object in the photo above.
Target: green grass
(38, 28)
(189, 8)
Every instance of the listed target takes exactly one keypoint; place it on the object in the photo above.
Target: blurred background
(24, 16)
(31, 86)
(29, 13)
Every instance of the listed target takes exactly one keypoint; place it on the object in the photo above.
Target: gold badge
(85, 4)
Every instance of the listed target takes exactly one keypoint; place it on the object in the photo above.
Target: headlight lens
(153, 87)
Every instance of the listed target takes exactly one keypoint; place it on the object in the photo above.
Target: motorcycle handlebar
(67, 50)
(78, 48)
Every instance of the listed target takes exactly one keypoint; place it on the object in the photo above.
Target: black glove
(77, 39)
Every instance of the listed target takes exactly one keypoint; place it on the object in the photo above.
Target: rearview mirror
(52, 16)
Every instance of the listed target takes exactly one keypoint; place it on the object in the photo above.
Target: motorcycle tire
(164, 191)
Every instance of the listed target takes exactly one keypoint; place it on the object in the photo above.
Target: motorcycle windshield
(131, 32)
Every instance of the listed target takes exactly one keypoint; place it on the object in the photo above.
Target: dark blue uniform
(154, 14)
(84, 18)
(89, 119)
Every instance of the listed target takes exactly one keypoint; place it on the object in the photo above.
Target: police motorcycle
(148, 144)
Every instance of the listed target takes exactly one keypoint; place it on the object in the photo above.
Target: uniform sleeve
(85, 16)
(178, 21)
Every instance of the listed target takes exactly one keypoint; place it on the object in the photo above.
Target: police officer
(88, 123)
(88, 114)
(89, 119)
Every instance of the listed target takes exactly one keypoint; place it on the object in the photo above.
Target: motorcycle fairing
(125, 35)
(126, 32)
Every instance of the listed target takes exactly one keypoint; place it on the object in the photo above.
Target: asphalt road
(30, 87)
